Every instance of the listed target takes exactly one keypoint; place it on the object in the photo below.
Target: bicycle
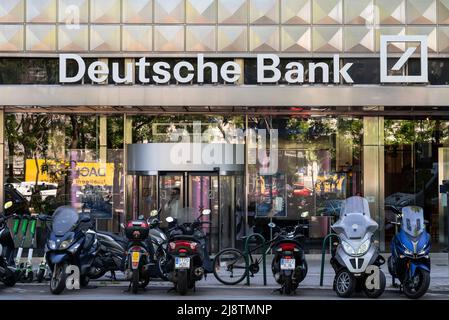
(228, 262)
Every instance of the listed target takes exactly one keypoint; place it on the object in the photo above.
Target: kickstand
(113, 277)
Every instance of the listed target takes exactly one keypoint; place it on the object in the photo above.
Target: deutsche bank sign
(269, 69)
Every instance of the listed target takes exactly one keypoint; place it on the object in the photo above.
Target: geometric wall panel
(73, 39)
(327, 39)
(137, 11)
(392, 46)
(169, 38)
(264, 38)
(105, 11)
(137, 38)
(232, 38)
(430, 32)
(296, 39)
(105, 37)
(443, 39)
(391, 11)
(421, 11)
(169, 11)
(232, 11)
(73, 11)
(327, 11)
(11, 38)
(264, 11)
(359, 39)
(11, 11)
(201, 11)
(443, 11)
(41, 11)
(296, 11)
(200, 38)
(40, 37)
(359, 12)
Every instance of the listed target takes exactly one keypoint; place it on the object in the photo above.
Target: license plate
(287, 264)
(135, 257)
(182, 263)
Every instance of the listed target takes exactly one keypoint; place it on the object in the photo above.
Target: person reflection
(173, 203)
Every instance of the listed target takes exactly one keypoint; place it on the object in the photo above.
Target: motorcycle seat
(117, 238)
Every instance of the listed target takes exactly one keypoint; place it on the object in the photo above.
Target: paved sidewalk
(439, 276)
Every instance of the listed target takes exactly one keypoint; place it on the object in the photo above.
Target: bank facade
(113, 106)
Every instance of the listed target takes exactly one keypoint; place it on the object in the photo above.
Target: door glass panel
(171, 196)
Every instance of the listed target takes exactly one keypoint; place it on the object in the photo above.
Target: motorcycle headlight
(364, 247)
(408, 252)
(65, 244)
(348, 248)
(52, 244)
(423, 251)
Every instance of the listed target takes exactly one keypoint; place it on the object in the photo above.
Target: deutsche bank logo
(414, 42)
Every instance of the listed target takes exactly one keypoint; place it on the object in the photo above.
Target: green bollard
(264, 267)
(323, 254)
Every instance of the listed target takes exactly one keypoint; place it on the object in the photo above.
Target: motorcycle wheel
(144, 282)
(288, 285)
(344, 283)
(376, 293)
(135, 281)
(10, 279)
(84, 281)
(161, 265)
(57, 281)
(416, 287)
(183, 281)
(40, 275)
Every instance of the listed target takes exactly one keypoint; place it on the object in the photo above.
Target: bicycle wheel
(229, 266)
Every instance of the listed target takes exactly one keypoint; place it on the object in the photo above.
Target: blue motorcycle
(69, 243)
(410, 261)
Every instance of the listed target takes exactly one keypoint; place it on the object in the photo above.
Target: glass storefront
(80, 160)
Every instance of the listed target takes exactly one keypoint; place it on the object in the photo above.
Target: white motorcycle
(356, 259)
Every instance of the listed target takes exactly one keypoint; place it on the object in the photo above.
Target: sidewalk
(439, 275)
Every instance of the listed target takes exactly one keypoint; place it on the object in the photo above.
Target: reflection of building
(369, 138)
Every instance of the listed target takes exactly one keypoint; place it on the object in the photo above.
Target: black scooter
(289, 265)
(188, 259)
(69, 243)
(7, 271)
(139, 254)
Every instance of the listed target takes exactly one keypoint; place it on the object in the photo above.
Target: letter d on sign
(63, 68)
(73, 278)
(373, 280)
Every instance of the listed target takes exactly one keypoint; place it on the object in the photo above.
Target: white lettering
(98, 75)
(230, 71)
(261, 68)
(63, 68)
(177, 72)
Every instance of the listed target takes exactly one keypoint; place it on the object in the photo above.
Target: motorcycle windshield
(355, 220)
(64, 219)
(413, 220)
(186, 215)
(355, 204)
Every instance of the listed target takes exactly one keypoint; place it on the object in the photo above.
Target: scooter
(138, 254)
(28, 266)
(21, 268)
(69, 244)
(356, 260)
(7, 270)
(188, 259)
(410, 261)
(289, 265)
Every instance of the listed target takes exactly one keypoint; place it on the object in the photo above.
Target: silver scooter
(356, 259)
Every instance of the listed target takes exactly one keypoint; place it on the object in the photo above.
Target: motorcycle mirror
(141, 217)
(272, 225)
(153, 213)
(169, 219)
(206, 212)
(8, 205)
(42, 217)
(122, 225)
(85, 218)
(305, 214)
